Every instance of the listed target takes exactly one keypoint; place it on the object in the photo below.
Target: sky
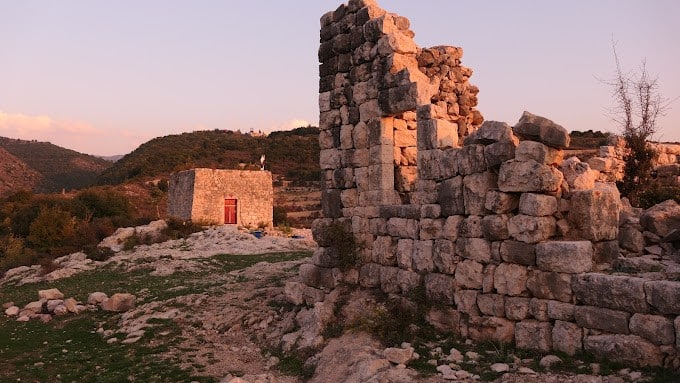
(103, 77)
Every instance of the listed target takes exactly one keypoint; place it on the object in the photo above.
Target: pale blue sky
(102, 77)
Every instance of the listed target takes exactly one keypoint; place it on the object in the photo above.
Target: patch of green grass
(68, 348)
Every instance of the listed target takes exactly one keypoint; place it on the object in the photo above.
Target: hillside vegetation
(293, 154)
(58, 168)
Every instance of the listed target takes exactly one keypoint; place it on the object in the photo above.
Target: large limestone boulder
(625, 348)
(541, 129)
(50, 294)
(579, 175)
(116, 242)
(119, 303)
(528, 176)
(662, 218)
(594, 214)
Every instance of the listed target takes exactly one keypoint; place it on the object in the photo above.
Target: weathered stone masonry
(490, 220)
(199, 195)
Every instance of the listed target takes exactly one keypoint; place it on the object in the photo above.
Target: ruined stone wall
(492, 222)
(199, 195)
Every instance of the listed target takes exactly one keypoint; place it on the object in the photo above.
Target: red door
(230, 212)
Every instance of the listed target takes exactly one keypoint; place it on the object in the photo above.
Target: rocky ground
(239, 326)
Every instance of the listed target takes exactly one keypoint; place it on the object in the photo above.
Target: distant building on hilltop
(222, 197)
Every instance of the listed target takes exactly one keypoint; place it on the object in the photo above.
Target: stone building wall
(199, 195)
(492, 222)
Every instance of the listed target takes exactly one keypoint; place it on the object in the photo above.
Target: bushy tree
(638, 105)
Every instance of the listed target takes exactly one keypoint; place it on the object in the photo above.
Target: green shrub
(53, 231)
(178, 229)
(280, 216)
(655, 194)
(343, 241)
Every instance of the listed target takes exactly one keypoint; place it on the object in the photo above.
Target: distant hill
(293, 154)
(44, 167)
(15, 174)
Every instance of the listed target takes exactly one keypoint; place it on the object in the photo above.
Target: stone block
(530, 229)
(594, 214)
(437, 134)
(541, 129)
(517, 308)
(452, 227)
(487, 282)
(567, 337)
(538, 308)
(400, 99)
(605, 255)
(469, 274)
(561, 311)
(381, 155)
(630, 349)
(536, 151)
(471, 227)
(529, 177)
(405, 253)
(495, 227)
(662, 218)
(548, 285)
(471, 160)
(501, 203)
(445, 259)
(491, 304)
(331, 203)
(655, 328)
(631, 239)
(389, 282)
(384, 251)
(511, 279)
(423, 256)
(403, 228)
(380, 131)
(431, 228)
(429, 164)
(601, 164)
(430, 211)
(381, 177)
(451, 197)
(475, 187)
(664, 296)
(490, 132)
(608, 320)
(476, 249)
(319, 277)
(533, 335)
(444, 319)
(614, 292)
(537, 205)
(466, 302)
(518, 252)
(565, 257)
(491, 329)
(440, 288)
(578, 174)
(329, 159)
(327, 257)
(499, 152)
(369, 275)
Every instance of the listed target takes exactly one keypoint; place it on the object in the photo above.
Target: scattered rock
(50, 294)
(500, 367)
(549, 360)
(119, 303)
(12, 311)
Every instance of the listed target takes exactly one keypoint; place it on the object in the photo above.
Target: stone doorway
(230, 211)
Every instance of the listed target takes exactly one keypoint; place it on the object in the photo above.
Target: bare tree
(638, 105)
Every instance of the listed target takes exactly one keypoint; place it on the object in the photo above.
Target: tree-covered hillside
(294, 154)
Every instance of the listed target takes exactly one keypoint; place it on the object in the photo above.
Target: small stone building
(222, 197)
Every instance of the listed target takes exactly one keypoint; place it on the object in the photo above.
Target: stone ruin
(514, 243)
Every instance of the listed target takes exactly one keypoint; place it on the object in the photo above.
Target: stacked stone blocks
(489, 219)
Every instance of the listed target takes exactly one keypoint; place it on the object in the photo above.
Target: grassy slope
(68, 349)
